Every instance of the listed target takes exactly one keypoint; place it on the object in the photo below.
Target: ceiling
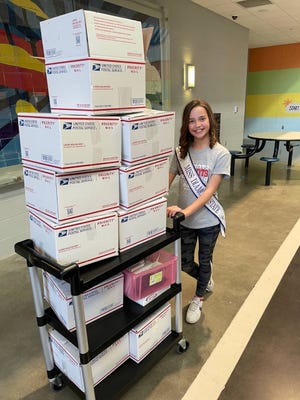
(270, 24)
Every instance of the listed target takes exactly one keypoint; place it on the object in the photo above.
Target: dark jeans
(207, 238)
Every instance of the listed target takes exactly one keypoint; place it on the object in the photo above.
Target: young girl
(201, 163)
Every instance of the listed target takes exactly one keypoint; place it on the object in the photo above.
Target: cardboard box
(148, 334)
(69, 196)
(142, 223)
(96, 86)
(147, 135)
(66, 357)
(81, 34)
(152, 274)
(143, 183)
(98, 301)
(83, 241)
(65, 143)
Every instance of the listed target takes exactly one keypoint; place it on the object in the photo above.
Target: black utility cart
(93, 338)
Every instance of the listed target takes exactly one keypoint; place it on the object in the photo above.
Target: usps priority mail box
(66, 357)
(82, 33)
(147, 335)
(67, 196)
(96, 86)
(148, 299)
(144, 182)
(142, 223)
(98, 301)
(83, 241)
(65, 143)
(147, 135)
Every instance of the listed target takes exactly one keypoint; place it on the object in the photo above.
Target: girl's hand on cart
(172, 210)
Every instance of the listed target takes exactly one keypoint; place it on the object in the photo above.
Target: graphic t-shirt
(207, 162)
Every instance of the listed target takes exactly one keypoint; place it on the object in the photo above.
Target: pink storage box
(155, 273)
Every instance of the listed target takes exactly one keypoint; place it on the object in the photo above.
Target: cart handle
(177, 219)
(34, 258)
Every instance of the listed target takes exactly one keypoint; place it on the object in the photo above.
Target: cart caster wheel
(182, 346)
(57, 383)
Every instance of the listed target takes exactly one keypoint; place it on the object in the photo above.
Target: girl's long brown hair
(186, 138)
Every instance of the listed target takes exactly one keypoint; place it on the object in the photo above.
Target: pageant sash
(197, 186)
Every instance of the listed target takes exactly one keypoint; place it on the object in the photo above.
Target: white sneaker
(210, 285)
(193, 313)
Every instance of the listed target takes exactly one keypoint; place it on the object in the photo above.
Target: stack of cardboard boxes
(96, 167)
(95, 63)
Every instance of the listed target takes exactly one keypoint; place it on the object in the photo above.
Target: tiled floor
(260, 220)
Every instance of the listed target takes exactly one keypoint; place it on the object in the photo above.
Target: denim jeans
(201, 271)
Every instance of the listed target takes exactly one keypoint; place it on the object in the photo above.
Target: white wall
(219, 49)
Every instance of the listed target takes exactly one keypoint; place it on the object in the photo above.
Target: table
(260, 141)
(262, 137)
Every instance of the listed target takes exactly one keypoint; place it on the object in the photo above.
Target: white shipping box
(149, 333)
(98, 301)
(81, 34)
(142, 223)
(144, 182)
(64, 197)
(83, 241)
(148, 299)
(96, 86)
(65, 143)
(66, 357)
(147, 135)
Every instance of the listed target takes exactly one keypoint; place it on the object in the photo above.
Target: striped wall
(273, 89)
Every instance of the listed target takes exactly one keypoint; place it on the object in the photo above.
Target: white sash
(197, 186)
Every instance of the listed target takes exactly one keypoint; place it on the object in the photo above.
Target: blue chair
(233, 158)
(269, 161)
(234, 153)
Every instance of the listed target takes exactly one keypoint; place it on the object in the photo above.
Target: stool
(249, 147)
(269, 161)
(232, 163)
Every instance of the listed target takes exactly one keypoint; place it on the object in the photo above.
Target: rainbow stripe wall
(273, 89)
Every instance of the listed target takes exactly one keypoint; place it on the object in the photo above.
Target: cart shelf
(106, 330)
(119, 381)
(94, 273)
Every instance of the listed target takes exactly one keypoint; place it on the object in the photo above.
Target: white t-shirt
(207, 162)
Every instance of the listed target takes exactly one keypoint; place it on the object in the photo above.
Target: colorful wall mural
(23, 85)
(273, 89)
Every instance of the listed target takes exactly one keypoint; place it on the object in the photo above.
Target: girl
(201, 163)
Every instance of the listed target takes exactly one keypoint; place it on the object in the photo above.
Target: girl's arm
(211, 188)
(171, 178)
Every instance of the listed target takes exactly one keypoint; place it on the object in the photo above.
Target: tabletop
(281, 136)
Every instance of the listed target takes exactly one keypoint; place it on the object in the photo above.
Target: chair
(233, 158)
(269, 161)
(234, 155)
